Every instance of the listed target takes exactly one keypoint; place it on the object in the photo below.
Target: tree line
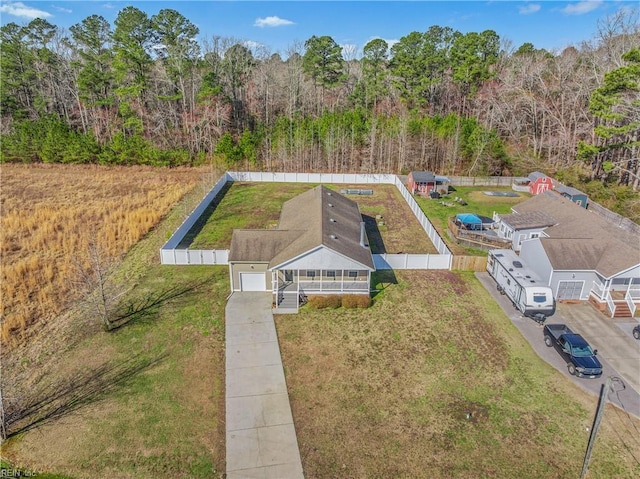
(145, 90)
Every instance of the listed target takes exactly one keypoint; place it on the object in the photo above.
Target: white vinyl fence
(338, 178)
(170, 254)
(482, 180)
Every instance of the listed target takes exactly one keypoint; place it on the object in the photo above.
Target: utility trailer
(526, 291)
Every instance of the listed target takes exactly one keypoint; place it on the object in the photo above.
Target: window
(353, 274)
(539, 298)
(311, 273)
(535, 235)
(331, 273)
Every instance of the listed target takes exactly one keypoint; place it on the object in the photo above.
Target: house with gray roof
(582, 256)
(518, 227)
(319, 247)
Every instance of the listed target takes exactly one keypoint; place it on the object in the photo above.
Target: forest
(147, 90)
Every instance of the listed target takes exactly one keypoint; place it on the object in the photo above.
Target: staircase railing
(630, 296)
(610, 303)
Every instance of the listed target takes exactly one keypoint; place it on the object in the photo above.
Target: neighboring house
(583, 256)
(573, 194)
(539, 183)
(319, 247)
(518, 227)
(421, 182)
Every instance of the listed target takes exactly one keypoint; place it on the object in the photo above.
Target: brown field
(50, 215)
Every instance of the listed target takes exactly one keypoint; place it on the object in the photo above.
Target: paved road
(618, 352)
(261, 438)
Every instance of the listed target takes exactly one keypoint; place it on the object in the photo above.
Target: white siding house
(584, 257)
(319, 247)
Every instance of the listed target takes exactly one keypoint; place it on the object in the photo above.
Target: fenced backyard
(175, 252)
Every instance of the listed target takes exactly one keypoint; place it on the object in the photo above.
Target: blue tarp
(469, 219)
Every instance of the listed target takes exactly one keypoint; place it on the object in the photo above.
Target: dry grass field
(50, 215)
(160, 411)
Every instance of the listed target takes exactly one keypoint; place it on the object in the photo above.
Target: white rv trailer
(527, 292)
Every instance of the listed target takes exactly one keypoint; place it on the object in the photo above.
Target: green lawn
(434, 381)
(477, 203)
(258, 205)
(243, 206)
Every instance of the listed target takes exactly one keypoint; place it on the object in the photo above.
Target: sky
(276, 25)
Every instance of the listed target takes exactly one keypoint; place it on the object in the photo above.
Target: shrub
(361, 300)
(350, 301)
(334, 301)
(322, 302)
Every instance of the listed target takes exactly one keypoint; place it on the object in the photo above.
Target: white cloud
(271, 22)
(529, 8)
(253, 45)
(61, 9)
(581, 8)
(19, 9)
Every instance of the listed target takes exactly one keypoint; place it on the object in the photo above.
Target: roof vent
(329, 193)
(333, 237)
(517, 264)
(330, 205)
(332, 220)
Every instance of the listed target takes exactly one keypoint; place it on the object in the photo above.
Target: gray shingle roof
(535, 175)
(259, 245)
(305, 224)
(582, 239)
(423, 177)
(529, 220)
(569, 190)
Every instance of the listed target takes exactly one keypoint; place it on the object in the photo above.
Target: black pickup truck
(581, 359)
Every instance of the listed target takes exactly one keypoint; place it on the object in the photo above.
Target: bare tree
(100, 291)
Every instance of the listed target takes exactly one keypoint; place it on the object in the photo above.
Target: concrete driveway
(618, 352)
(261, 438)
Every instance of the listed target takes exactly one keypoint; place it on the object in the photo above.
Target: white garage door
(252, 282)
(569, 290)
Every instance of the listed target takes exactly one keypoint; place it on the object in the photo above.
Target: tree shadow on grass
(147, 307)
(59, 399)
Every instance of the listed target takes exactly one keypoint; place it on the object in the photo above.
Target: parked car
(636, 332)
(581, 359)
